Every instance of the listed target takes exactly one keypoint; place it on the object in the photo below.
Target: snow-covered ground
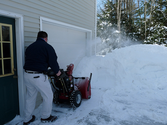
(129, 87)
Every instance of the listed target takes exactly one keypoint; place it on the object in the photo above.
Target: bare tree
(145, 16)
(119, 6)
(118, 15)
(152, 2)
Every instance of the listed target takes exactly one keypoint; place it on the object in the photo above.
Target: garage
(70, 42)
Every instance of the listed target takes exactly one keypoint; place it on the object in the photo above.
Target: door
(69, 43)
(9, 103)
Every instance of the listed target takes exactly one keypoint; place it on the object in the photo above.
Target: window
(6, 50)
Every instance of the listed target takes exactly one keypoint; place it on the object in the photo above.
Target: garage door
(69, 43)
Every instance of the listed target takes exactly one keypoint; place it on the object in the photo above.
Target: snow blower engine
(69, 88)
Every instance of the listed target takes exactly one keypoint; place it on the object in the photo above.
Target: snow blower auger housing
(69, 88)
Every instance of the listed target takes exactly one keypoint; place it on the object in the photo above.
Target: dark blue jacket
(39, 56)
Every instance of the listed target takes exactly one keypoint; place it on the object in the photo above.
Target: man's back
(39, 55)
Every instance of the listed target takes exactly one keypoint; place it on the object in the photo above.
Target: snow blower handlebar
(62, 75)
(52, 73)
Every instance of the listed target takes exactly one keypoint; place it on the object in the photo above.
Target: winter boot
(27, 123)
(50, 119)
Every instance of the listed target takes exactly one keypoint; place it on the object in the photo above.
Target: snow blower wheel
(76, 98)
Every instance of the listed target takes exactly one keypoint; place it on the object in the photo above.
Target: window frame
(11, 50)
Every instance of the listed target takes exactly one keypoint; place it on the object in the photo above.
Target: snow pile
(133, 83)
(129, 87)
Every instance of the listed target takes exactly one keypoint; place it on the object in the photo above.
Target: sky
(129, 87)
(99, 2)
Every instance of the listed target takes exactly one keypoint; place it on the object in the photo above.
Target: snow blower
(69, 88)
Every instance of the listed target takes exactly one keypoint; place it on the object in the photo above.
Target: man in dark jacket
(38, 57)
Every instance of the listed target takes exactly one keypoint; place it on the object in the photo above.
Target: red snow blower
(69, 88)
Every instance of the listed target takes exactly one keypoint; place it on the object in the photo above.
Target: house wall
(79, 13)
(75, 12)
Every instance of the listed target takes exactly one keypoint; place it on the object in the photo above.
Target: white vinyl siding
(75, 12)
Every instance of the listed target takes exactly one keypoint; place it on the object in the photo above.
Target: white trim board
(54, 22)
(95, 18)
(20, 55)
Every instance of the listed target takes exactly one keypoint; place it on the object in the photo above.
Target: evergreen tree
(144, 20)
(157, 33)
(106, 20)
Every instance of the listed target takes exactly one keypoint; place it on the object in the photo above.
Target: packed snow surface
(129, 87)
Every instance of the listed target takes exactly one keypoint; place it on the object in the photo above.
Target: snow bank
(133, 80)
